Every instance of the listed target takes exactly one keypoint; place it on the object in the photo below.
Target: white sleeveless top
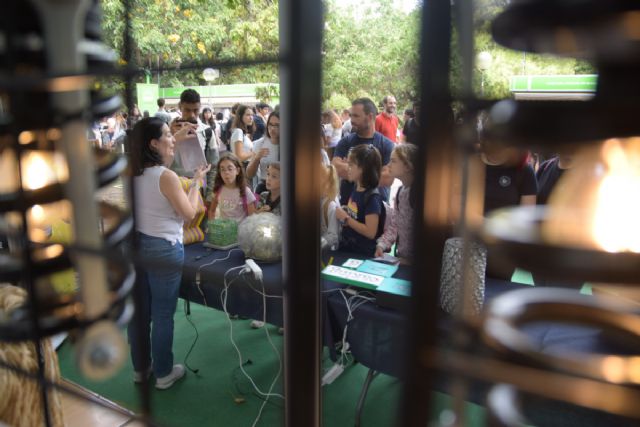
(154, 214)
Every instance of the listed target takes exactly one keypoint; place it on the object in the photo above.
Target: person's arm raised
(341, 166)
(185, 205)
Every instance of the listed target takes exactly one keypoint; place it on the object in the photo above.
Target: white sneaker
(176, 373)
(139, 377)
(257, 324)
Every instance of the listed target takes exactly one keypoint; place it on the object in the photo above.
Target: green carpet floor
(210, 397)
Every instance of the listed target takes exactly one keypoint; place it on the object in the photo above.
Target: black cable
(235, 382)
(188, 317)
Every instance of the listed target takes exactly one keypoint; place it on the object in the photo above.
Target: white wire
(223, 300)
(275, 379)
(351, 307)
(198, 282)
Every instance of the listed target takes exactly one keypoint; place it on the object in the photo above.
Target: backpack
(383, 210)
(225, 135)
(245, 204)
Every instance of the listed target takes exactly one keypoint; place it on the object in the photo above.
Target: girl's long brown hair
(241, 182)
(239, 124)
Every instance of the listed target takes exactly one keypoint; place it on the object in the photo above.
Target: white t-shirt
(155, 215)
(334, 135)
(230, 203)
(330, 229)
(273, 156)
(239, 135)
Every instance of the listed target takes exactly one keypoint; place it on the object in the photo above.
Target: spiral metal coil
(35, 118)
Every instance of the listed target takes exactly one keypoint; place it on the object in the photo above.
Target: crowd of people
(363, 152)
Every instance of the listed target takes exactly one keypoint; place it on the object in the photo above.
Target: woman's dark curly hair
(143, 155)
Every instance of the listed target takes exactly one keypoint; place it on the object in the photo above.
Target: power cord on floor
(223, 299)
(195, 340)
(266, 330)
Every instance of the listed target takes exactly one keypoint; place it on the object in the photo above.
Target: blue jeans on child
(159, 286)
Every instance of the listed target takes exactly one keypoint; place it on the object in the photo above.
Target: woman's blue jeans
(159, 284)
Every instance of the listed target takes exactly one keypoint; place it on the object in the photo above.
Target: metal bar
(592, 394)
(145, 393)
(431, 216)
(301, 23)
(363, 395)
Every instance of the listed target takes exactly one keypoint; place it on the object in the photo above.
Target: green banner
(147, 97)
(563, 83)
(240, 90)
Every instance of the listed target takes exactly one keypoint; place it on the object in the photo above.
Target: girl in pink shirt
(232, 197)
(399, 225)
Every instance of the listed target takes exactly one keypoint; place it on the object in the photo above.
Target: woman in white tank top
(161, 207)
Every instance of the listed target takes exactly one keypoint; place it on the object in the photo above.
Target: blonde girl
(329, 225)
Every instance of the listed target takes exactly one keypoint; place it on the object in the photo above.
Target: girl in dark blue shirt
(361, 217)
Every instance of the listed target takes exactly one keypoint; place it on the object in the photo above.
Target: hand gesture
(264, 152)
(187, 131)
(341, 215)
(379, 252)
(264, 208)
(201, 172)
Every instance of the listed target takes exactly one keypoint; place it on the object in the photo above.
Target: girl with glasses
(231, 195)
(267, 151)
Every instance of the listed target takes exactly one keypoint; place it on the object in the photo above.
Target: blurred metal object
(50, 50)
(515, 236)
(508, 313)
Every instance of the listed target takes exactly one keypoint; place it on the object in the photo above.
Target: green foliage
(168, 33)
(370, 52)
(267, 93)
(337, 101)
(505, 63)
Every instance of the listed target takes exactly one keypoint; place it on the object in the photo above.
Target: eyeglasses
(274, 126)
(228, 169)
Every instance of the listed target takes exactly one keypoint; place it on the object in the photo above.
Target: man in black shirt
(548, 175)
(411, 129)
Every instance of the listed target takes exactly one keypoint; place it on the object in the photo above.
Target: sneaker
(257, 324)
(281, 331)
(234, 316)
(139, 377)
(165, 382)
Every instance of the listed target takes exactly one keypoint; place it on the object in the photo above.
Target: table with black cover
(376, 335)
(243, 295)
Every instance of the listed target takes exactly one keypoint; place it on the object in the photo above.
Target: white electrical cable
(351, 307)
(275, 379)
(198, 281)
(223, 299)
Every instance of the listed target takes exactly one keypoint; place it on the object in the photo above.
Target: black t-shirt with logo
(548, 174)
(411, 131)
(504, 185)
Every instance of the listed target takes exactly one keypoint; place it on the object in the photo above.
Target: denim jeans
(159, 284)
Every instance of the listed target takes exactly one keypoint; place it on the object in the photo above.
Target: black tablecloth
(244, 298)
(376, 335)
